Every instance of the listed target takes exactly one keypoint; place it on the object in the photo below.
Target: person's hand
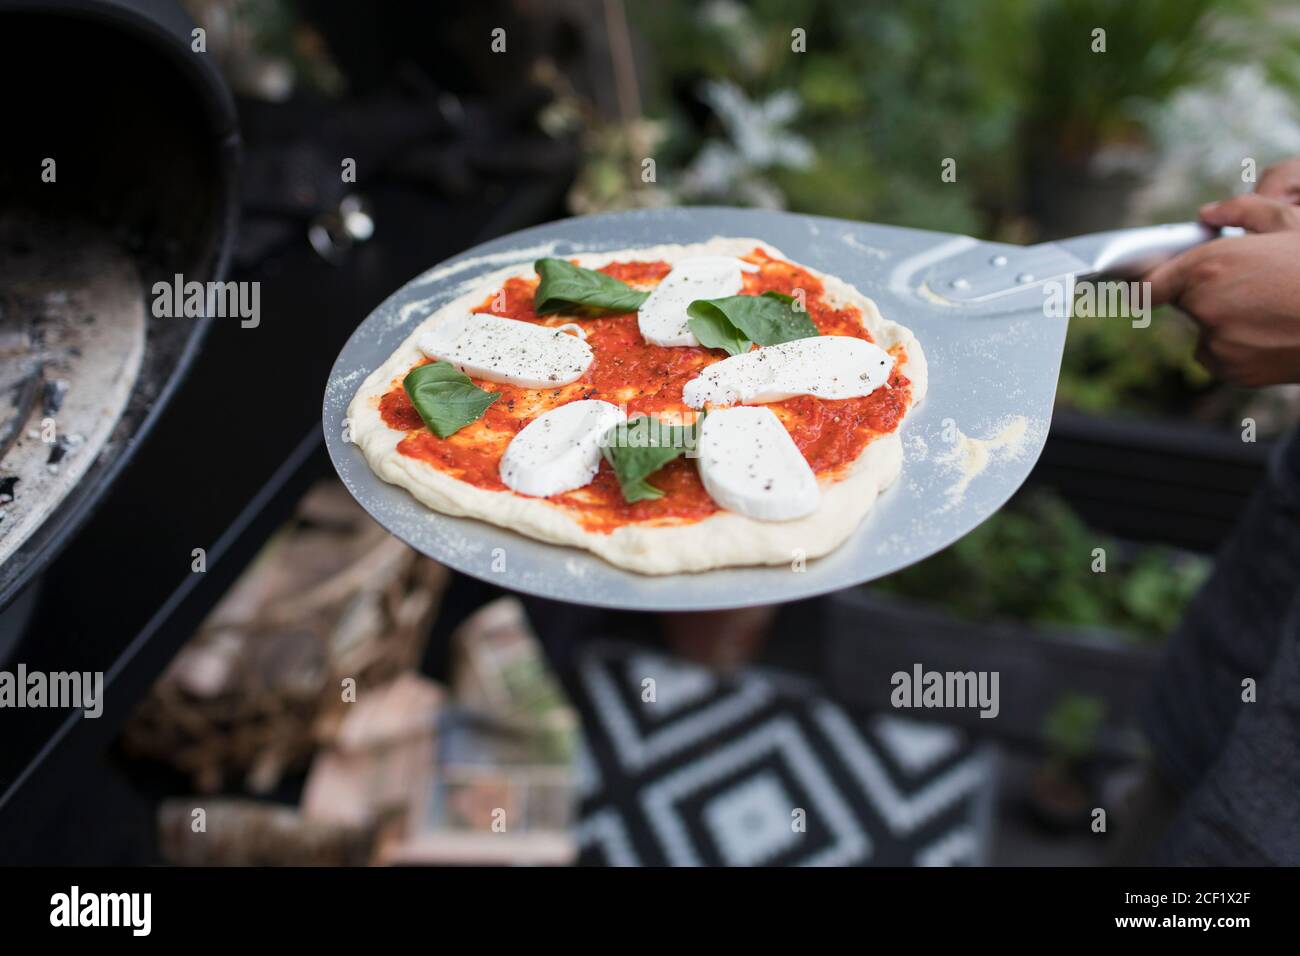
(1253, 212)
(1244, 294)
(1281, 181)
(1273, 206)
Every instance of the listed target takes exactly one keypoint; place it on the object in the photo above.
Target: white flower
(1203, 134)
(756, 128)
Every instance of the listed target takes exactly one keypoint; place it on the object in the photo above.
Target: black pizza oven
(116, 123)
(144, 137)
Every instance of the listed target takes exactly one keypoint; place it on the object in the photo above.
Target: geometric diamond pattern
(778, 743)
(903, 810)
(640, 729)
(683, 767)
(751, 822)
(914, 745)
(604, 839)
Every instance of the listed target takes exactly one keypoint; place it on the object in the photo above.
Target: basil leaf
(711, 326)
(574, 290)
(737, 321)
(641, 446)
(446, 398)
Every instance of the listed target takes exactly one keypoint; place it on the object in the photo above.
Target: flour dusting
(925, 292)
(970, 456)
(508, 257)
(853, 242)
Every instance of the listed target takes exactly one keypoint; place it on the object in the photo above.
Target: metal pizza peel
(981, 311)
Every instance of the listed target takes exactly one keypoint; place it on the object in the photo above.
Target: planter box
(1161, 482)
(869, 637)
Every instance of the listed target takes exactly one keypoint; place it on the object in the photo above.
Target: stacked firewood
(312, 662)
(333, 606)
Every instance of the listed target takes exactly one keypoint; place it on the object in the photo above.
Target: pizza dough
(723, 538)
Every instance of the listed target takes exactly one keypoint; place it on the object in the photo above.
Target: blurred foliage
(1154, 49)
(888, 90)
(1111, 367)
(1014, 91)
(1032, 562)
(267, 48)
(880, 86)
(1072, 725)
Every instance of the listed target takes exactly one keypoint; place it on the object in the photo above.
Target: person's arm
(1237, 760)
(1244, 292)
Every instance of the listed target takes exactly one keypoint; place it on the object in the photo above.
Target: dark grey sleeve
(1231, 631)
(1246, 809)
(1238, 763)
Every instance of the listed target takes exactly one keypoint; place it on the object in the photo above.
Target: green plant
(1072, 725)
(1078, 97)
(879, 86)
(1109, 366)
(1033, 562)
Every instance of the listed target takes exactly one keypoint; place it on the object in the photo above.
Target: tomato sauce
(649, 379)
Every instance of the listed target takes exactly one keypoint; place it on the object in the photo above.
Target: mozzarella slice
(558, 450)
(750, 465)
(508, 350)
(824, 366)
(662, 317)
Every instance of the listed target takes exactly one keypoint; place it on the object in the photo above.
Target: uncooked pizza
(671, 409)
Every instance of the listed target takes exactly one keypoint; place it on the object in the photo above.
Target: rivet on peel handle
(974, 276)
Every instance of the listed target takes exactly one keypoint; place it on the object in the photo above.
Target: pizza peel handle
(1131, 253)
(976, 276)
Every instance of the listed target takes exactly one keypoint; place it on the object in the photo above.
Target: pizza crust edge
(724, 539)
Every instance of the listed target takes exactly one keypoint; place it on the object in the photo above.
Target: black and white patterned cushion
(757, 769)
